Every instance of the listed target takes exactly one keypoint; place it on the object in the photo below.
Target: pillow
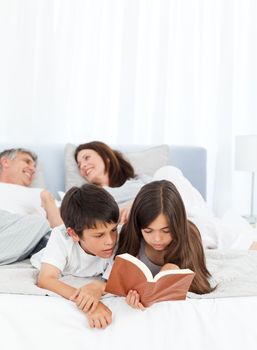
(39, 179)
(146, 162)
(72, 174)
(149, 160)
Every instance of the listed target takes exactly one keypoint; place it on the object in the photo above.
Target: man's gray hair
(12, 154)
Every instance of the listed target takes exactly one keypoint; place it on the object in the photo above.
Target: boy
(82, 247)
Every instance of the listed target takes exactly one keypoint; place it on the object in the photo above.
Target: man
(17, 171)
(17, 166)
(23, 222)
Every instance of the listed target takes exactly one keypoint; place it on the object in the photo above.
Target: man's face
(20, 170)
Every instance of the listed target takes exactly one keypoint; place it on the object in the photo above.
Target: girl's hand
(133, 300)
(169, 266)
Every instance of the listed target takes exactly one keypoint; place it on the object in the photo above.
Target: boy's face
(100, 241)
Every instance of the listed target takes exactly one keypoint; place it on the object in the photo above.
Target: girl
(159, 234)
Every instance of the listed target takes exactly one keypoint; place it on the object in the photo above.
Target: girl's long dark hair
(185, 249)
(118, 168)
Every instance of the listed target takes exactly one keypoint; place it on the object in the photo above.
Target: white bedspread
(43, 323)
(213, 322)
(234, 273)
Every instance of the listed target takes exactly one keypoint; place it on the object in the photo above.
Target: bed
(221, 321)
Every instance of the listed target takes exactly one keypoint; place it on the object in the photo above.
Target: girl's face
(157, 235)
(91, 167)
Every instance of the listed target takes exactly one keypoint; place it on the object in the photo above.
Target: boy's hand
(88, 296)
(133, 300)
(101, 317)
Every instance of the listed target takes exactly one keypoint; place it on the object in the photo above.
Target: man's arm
(52, 212)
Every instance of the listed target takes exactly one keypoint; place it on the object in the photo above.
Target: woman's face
(157, 235)
(92, 167)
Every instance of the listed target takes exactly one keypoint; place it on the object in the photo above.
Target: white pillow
(72, 174)
(149, 160)
(39, 179)
(144, 162)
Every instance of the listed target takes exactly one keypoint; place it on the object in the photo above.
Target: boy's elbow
(42, 282)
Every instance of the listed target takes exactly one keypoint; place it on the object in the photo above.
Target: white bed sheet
(37, 322)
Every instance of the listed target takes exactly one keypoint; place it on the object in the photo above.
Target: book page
(146, 271)
(172, 272)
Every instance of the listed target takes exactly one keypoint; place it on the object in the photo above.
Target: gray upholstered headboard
(193, 163)
(190, 159)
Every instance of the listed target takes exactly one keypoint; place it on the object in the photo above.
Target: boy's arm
(48, 278)
(101, 317)
(86, 297)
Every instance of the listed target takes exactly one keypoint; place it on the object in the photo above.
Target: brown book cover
(128, 273)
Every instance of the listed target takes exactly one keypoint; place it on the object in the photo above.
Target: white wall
(133, 71)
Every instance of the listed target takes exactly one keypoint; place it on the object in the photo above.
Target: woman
(101, 165)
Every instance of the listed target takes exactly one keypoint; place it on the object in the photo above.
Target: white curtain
(133, 71)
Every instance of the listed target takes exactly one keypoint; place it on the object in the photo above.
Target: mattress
(40, 322)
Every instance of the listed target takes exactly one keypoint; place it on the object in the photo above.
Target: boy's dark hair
(82, 207)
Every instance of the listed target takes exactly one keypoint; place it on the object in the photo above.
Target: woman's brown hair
(118, 168)
(185, 249)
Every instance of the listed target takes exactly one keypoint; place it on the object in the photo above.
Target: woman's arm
(124, 212)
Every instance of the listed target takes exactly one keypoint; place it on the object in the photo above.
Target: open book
(128, 273)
